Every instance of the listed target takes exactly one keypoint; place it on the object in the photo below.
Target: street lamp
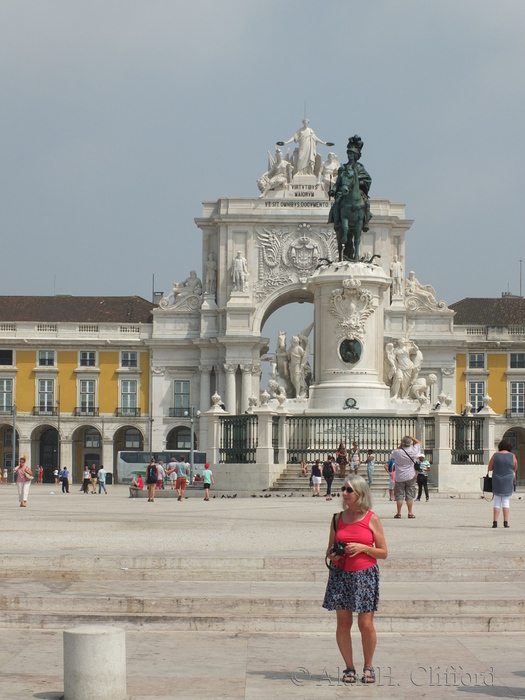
(192, 414)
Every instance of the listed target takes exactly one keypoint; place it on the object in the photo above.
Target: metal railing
(179, 412)
(514, 413)
(44, 410)
(275, 439)
(313, 437)
(133, 412)
(86, 411)
(238, 439)
(466, 439)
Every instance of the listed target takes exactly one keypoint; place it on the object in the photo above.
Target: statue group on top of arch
(403, 361)
(303, 161)
(291, 370)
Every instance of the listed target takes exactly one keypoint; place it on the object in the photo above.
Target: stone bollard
(95, 663)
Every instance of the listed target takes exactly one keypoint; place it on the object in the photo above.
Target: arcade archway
(516, 437)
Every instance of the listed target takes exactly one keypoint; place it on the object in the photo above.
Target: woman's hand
(353, 548)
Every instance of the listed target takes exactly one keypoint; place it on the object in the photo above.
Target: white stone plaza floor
(223, 599)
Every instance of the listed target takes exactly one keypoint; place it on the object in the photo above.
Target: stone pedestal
(349, 300)
(95, 663)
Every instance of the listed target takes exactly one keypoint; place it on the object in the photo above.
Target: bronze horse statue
(350, 212)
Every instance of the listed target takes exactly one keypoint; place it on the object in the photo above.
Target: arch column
(66, 457)
(229, 398)
(246, 387)
(205, 393)
(256, 379)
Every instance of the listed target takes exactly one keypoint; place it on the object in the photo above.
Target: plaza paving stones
(222, 599)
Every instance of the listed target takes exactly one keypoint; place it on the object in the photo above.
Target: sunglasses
(347, 490)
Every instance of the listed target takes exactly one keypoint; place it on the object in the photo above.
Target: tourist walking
(370, 462)
(41, 475)
(63, 475)
(503, 465)
(183, 471)
(422, 477)
(101, 477)
(86, 480)
(161, 476)
(328, 474)
(354, 458)
(353, 582)
(316, 478)
(24, 477)
(341, 457)
(93, 476)
(171, 471)
(207, 478)
(405, 457)
(151, 479)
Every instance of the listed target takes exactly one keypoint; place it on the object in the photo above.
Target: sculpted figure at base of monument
(403, 362)
(184, 293)
(420, 389)
(292, 365)
(350, 212)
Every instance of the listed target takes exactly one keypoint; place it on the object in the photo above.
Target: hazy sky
(119, 117)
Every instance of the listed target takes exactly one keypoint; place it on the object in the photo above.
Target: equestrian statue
(350, 212)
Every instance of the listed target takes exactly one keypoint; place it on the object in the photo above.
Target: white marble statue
(328, 174)
(239, 273)
(403, 362)
(420, 389)
(419, 296)
(210, 279)
(183, 291)
(277, 391)
(396, 273)
(278, 175)
(305, 159)
(293, 367)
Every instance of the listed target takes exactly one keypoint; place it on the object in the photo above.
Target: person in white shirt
(171, 470)
(405, 457)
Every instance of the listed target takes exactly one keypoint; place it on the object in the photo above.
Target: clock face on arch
(350, 351)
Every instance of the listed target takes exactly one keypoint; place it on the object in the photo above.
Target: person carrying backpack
(152, 475)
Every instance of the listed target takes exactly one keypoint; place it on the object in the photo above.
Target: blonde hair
(362, 491)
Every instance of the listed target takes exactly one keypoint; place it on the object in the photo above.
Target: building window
(517, 360)
(476, 393)
(8, 437)
(46, 358)
(91, 438)
(517, 398)
(183, 439)
(88, 358)
(128, 359)
(6, 395)
(128, 394)
(87, 395)
(46, 395)
(132, 439)
(6, 358)
(181, 398)
(476, 360)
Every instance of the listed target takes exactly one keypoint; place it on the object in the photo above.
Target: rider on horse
(350, 212)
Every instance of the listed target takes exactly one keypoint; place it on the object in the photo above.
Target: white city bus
(129, 463)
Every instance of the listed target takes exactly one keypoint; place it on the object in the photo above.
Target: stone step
(260, 623)
(248, 568)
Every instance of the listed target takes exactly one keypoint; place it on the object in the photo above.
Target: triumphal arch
(378, 360)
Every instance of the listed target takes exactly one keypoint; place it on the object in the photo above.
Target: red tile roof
(71, 309)
(504, 311)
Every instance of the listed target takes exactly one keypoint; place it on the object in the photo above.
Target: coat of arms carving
(351, 305)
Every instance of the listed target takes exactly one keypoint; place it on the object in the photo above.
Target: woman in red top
(353, 584)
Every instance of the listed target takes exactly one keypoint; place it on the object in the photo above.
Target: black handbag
(487, 484)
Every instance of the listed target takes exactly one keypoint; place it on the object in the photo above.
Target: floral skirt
(357, 591)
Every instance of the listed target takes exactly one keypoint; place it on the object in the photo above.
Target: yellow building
(74, 377)
(490, 362)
